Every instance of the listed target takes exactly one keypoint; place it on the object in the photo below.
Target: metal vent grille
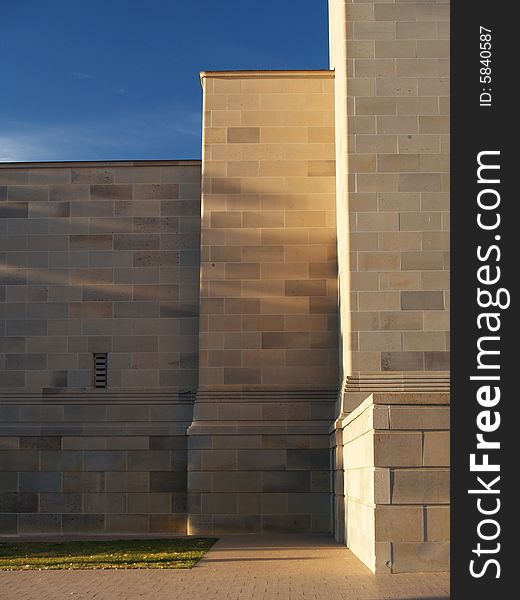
(100, 369)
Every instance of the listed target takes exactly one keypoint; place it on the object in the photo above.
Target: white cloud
(22, 148)
(81, 75)
(131, 135)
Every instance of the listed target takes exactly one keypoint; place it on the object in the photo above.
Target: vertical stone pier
(258, 446)
(391, 62)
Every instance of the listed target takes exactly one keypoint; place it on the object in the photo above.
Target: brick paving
(238, 567)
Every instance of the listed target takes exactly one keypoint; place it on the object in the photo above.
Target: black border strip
(476, 129)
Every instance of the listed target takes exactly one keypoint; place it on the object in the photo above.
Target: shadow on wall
(268, 280)
(110, 268)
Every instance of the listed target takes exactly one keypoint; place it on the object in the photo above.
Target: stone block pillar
(391, 63)
(396, 453)
(258, 446)
(268, 266)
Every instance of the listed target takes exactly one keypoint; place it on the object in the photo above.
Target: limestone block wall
(268, 270)
(99, 257)
(396, 460)
(90, 462)
(391, 62)
(259, 462)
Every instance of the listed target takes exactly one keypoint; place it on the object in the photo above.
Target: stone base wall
(94, 462)
(102, 462)
(395, 465)
(260, 462)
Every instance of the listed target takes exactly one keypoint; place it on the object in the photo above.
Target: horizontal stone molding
(258, 427)
(97, 412)
(90, 396)
(267, 393)
(399, 382)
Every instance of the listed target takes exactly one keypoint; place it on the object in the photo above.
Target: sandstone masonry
(274, 318)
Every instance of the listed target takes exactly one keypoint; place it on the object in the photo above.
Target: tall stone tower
(259, 442)
(391, 64)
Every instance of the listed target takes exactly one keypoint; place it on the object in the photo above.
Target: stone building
(254, 342)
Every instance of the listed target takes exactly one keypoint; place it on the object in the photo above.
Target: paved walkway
(238, 567)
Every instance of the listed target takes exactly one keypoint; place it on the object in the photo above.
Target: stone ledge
(327, 73)
(258, 427)
(87, 396)
(101, 163)
(394, 398)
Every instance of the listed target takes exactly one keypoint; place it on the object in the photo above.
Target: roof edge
(99, 163)
(269, 73)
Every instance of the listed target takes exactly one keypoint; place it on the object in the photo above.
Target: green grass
(174, 553)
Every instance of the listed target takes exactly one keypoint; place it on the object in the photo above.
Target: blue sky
(118, 79)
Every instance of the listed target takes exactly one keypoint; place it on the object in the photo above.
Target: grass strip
(174, 553)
